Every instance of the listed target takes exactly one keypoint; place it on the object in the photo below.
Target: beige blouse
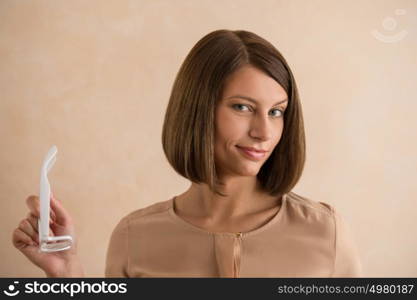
(304, 239)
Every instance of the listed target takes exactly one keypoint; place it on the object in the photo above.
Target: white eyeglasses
(49, 243)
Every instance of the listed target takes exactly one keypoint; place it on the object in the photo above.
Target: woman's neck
(244, 197)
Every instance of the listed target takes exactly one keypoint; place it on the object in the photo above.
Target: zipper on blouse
(236, 254)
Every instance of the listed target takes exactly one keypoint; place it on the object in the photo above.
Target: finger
(53, 215)
(34, 206)
(27, 228)
(52, 212)
(33, 203)
(21, 240)
(61, 215)
(34, 221)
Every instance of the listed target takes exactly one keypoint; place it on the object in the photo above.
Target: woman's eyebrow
(253, 100)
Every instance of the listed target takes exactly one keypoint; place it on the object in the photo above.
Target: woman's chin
(249, 170)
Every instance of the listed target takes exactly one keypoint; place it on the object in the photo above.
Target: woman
(234, 128)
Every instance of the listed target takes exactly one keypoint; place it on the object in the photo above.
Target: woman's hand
(25, 238)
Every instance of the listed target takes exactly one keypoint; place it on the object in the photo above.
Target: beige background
(94, 78)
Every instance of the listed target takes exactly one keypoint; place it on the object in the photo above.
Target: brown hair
(188, 130)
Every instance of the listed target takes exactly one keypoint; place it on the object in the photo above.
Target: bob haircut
(188, 131)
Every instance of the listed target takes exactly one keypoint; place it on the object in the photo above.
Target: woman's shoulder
(151, 209)
(148, 211)
(307, 207)
(319, 217)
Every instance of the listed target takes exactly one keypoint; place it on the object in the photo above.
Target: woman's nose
(261, 128)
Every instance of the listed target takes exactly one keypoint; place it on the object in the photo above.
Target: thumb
(62, 216)
(52, 196)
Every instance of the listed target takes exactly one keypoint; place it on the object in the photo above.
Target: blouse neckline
(196, 228)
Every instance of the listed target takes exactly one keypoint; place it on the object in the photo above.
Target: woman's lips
(252, 154)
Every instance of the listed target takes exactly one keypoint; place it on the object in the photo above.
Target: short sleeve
(117, 258)
(347, 261)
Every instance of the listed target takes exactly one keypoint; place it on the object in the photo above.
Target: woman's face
(240, 122)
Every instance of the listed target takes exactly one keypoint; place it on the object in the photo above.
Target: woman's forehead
(255, 85)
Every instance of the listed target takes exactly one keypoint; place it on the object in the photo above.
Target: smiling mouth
(253, 149)
(252, 155)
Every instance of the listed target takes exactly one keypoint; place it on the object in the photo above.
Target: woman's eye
(240, 105)
(280, 112)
